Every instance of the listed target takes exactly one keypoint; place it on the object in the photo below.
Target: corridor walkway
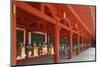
(87, 55)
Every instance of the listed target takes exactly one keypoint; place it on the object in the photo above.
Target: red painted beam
(77, 16)
(52, 9)
(35, 12)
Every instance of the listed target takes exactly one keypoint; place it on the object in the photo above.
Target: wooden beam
(35, 12)
(39, 14)
(53, 10)
(78, 17)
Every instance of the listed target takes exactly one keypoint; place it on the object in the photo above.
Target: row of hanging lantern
(33, 50)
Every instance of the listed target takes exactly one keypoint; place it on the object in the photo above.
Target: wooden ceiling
(32, 22)
(84, 12)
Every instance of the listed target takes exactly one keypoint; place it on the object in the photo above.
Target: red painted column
(56, 42)
(90, 42)
(27, 35)
(27, 41)
(13, 59)
(85, 43)
(78, 44)
(82, 43)
(70, 45)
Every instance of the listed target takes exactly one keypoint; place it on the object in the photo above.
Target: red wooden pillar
(13, 59)
(85, 43)
(90, 42)
(27, 41)
(47, 38)
(56, 42)
(78, 44)
(27, 35)
(82, 44)
(70, 45)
